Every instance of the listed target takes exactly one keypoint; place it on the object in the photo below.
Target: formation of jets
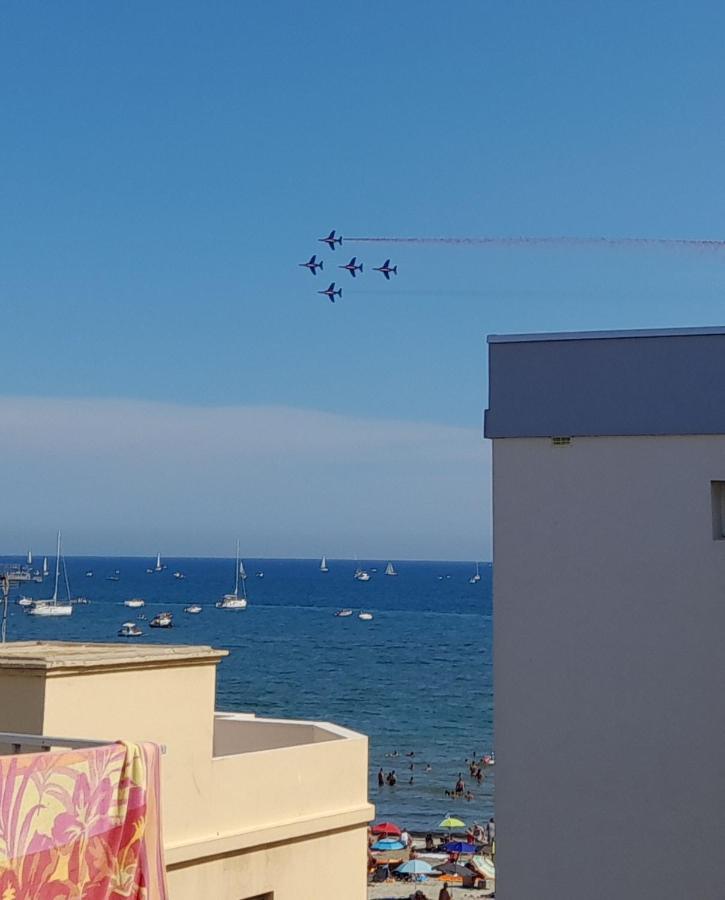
(353, 267)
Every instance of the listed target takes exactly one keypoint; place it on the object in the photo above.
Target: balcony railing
(44, 742)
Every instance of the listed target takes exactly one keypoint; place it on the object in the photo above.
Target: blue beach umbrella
(459, 847)
(388, 845)
(415, 867)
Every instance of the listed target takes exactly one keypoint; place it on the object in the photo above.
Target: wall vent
(561, 441)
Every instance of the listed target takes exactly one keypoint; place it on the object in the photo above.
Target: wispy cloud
(126, 476)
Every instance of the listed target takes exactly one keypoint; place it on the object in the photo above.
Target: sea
(417, 678)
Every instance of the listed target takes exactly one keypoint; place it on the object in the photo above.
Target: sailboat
(52, 607)
(158, 567)
(30, 557)
(389, 570)
(323, 565)
(46, 570)
(234, 601)
(474, 579)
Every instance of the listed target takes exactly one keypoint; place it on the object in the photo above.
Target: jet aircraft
(332, 293)
(312, 265)
(351, 267)
(331, 240)
(386, 269)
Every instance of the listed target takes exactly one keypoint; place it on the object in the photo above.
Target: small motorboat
(343, 613)
(193, 609)
(129, 629)
(162, 620)
(366, 616)
(260, 574)
(25, 601)
(89, 574)
(134, 603)
(179, 575)
(81, 601)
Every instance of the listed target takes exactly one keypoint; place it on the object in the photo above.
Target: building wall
(327, 867)
(609, 668)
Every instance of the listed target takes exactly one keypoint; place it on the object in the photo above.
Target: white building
(609, 587)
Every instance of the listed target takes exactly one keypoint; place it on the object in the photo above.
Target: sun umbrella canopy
(485, 866)
(450, 822)
(388, 845)
(459, 847)
(454, 869)
(385, 828)
(415, 867)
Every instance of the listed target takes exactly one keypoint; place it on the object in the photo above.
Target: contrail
(696, 244)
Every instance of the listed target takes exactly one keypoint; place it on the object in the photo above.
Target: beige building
(609, 586)
(253, 809)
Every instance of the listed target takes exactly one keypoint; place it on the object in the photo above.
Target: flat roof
(55, 655)
(603, 335)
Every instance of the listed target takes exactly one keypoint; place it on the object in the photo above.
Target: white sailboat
(234, 601)
(46, 570)
(323, 565)
(30, 557)
(158, 567)
(474, 579)
(390, 570)
(52, 607)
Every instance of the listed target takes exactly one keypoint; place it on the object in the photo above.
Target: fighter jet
(312, 265)
(386, 269)
(331, 240)
(351, 267)
(332, 293)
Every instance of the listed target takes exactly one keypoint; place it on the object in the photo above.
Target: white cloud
(125, 476)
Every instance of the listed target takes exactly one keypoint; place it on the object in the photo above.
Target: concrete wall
(609, 669)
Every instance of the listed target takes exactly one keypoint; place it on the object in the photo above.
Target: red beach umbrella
(386, 828)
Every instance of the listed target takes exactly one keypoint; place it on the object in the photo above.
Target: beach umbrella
(388, 845)
(459, 847)
(485, 866)
(454, 869)
(415, 867)
(385, 828)
(450, 822)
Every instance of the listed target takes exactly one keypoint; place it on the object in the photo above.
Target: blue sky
(165, 166)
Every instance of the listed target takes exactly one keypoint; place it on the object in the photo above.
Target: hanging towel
(82, 825)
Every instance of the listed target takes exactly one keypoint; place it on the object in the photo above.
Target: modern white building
(609, 587)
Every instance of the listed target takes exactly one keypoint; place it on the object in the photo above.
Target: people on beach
(444, 893)
(429, 842)
(405, 838)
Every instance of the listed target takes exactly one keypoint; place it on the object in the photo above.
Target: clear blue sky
(165, 166)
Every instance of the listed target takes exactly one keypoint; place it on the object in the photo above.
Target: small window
(561, 441)
(717, 493)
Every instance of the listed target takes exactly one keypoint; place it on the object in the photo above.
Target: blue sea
(416, 679)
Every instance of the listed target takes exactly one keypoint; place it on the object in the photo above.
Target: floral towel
(82, 825)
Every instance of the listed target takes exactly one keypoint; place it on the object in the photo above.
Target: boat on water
(234, 601)
(113, 578)
(89, 574)
(343, 613)
(81, 601)
(361, 575)
(129, 629)
(30, 558)
(260, 574)
(162, 620)
(52, 607)
(390, 569)
(46, 570)
(25, 601)
(366, 616)
(159, 567)
(194, 608)
(323, 565)
(474, 579)
(134, 602)
(179, 575)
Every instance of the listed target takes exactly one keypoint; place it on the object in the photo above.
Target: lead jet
(312, 265)
(331, 240)
(332, 293)
(386, 269)
(351, 267)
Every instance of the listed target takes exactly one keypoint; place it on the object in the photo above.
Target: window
(561, 441)
(717, 493)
